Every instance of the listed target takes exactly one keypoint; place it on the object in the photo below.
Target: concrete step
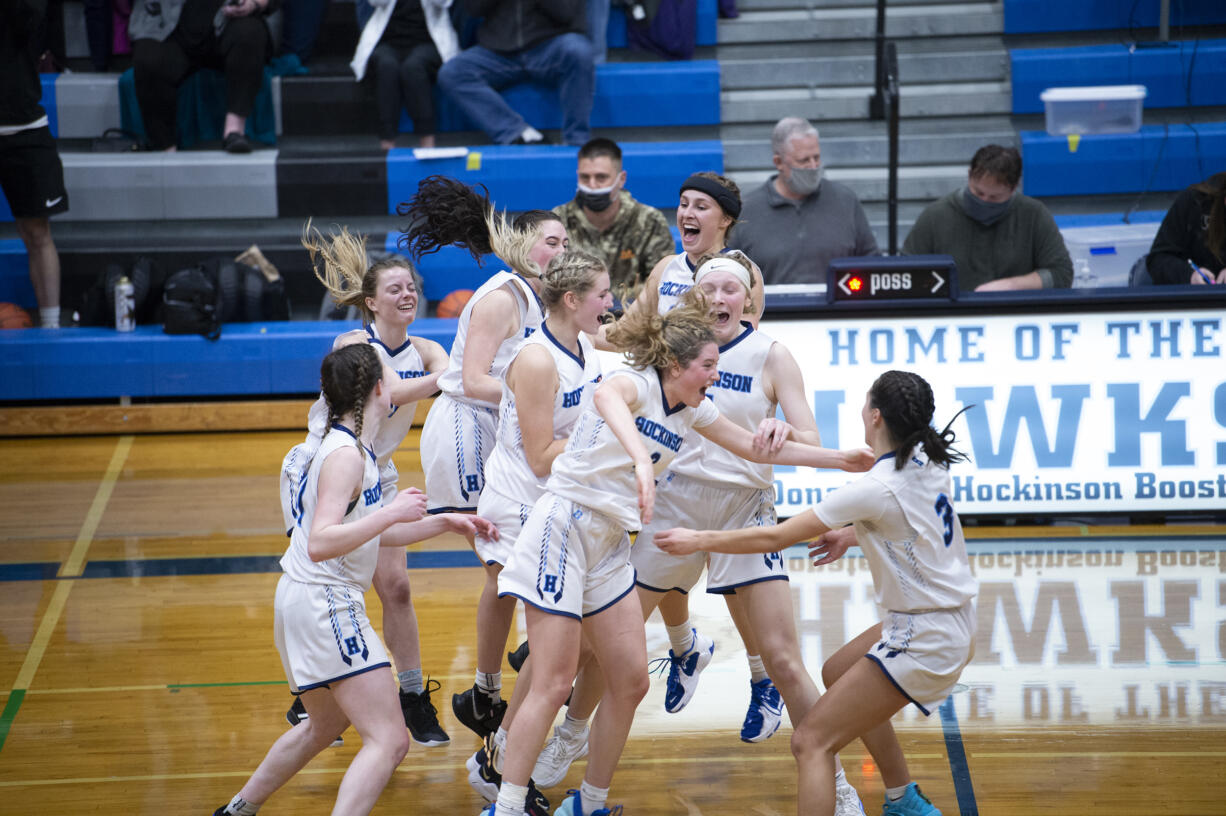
(921, 183)
(865, 47)
(940, 20)
(826, 71)
(872, 150)
(817, 104)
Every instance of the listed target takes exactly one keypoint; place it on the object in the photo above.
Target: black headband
(722, 195)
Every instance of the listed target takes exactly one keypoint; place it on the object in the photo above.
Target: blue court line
(958, 767)
(225, 565)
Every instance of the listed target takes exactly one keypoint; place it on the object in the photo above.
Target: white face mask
(804, 181)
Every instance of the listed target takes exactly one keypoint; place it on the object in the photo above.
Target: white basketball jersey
(739, 396)
(531, 315)
(595, 469)
(507, 470)
(676, 279)
(909, 532)
(407, 363)
(355, 568)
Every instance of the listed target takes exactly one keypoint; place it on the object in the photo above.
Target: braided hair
(906, 405)
(347, 376)
(445, 212)
(570, 271)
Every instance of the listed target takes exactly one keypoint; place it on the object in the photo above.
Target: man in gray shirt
(796, 222)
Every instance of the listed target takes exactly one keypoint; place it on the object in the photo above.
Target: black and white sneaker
(517, 657)
(481, 774)
(536, 804)
(297, 712)
(421, 716)
(477, 712)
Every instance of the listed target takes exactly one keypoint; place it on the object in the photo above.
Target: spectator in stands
(31, 175)
(171, 39)
(604, 219)
(1190, 246)
(999, 238)
(540, 40)
(598, 28)
(796, 222)
(406, 42)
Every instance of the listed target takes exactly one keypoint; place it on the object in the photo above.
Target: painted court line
(958, 766)
(71, 568)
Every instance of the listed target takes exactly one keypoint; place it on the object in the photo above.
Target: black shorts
(31, 174)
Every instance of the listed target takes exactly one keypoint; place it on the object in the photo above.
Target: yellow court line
(72, 567)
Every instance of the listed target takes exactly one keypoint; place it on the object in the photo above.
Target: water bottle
(125, 305)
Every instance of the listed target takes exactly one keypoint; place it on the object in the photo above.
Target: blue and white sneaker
(683, 671)
(765, 711)
(912, 803)
(572, 805)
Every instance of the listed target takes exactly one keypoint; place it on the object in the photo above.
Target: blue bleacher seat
(1030, 16)
(249, 358)
(1175, 75)
(15, 284)
(1156, 158)
(525, 177)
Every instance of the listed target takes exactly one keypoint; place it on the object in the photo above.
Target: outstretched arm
(727, 434)
(340, 480)
(401, 535)
(680, 541)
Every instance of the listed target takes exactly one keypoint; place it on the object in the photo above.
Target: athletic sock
(571, 728)
(757, 669)
(490, 684)
(49, 318)
(592, 797)
(241, 807)
(681, 637)
(511, 798)
(410, 681)
(894, 794)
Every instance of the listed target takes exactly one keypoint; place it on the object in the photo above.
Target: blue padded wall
(15, 286)
(1027, 16)
(541, 176)
(1154, 159)
(1175, 75)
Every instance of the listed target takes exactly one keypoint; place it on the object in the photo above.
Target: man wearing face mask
(1000, 239)
(605, 220)
(797, 221)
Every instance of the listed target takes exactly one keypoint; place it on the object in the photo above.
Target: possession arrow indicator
(939, 281)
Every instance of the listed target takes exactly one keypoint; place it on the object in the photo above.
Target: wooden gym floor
(139, 676)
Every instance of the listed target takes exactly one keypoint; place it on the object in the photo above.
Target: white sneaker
(556, 757)
(683, 672)
(846, 800)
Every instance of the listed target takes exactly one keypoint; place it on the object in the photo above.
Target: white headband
(722, 264)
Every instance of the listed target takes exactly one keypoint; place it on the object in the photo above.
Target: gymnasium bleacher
(970, 74)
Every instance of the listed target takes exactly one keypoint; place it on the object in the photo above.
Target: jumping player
(331, 655)
(906, 526)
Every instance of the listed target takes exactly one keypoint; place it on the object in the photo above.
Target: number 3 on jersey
(946, 511)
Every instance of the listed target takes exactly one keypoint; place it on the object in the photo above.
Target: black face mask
(985, 212)
(594, 200)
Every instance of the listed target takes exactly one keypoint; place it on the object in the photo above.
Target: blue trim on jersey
(889, 677)
(884, 456)
(633, 582)
(540, 303)
(385, 664)
(651, 588)
(731, 589)
(336, 426)
(579, 359)
(544, 609)
(667, 410)
(748, 331)
(686, 257)
(437, 510)
(374, 340)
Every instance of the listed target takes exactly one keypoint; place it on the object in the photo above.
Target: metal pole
(1164, 20)
(876, 102)
(891, 92)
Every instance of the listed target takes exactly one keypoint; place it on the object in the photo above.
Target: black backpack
(98, 301)
(191, 303)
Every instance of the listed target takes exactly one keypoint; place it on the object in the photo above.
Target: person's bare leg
(44, 262)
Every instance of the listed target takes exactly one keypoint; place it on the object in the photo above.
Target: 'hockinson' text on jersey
(658, 433)
(735, 382)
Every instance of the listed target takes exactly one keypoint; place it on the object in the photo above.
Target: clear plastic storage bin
(1104, 255)
(1098, 109)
